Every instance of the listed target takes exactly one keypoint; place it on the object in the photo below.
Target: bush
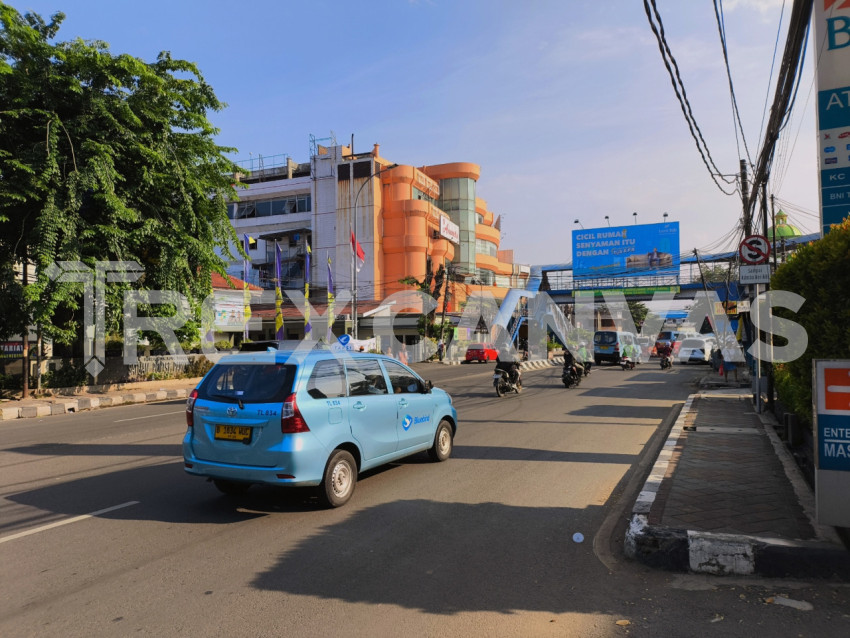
(820, 273)
(198, 367)
(791, 393)
(11, 381)
(70, 375)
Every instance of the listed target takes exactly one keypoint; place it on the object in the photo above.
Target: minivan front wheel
(339, 479)
(443, 442)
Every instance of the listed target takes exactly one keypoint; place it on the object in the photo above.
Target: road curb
(721, 554)
(85, 404)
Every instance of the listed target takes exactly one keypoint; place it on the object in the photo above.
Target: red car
(482, 352)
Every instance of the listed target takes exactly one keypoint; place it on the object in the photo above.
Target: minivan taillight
(291, 421)
(190, 408)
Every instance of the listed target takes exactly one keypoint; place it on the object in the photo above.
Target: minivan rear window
(249, 383)
(605, 337)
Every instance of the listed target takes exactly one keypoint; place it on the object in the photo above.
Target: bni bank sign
(626, 251)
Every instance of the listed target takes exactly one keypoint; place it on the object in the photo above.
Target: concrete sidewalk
(725, 497)
(100, 397)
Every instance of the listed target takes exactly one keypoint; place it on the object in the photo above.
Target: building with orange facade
(408, 220)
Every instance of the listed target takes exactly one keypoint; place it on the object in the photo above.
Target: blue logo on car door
(407, 422)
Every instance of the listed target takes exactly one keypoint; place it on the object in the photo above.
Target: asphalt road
(102, 533)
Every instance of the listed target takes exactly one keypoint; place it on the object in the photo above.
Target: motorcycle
(570, 376)
(665, 362)
(503, 384)
(626, 363)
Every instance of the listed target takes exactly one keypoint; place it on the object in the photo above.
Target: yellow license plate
(233, 433)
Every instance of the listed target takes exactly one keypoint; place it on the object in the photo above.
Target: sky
(565, 105)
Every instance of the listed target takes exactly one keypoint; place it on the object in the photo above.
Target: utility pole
(769, 364)
(773, 223)
(716, 327)
(748, 229)
(449, 274)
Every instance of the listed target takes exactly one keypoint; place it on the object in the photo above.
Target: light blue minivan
(292, 418)
(609, 345)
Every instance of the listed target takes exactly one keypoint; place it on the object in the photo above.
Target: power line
(672, 67)
(784, 97)
(772, 66)
(721, 28)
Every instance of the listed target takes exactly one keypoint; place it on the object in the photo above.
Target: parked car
(319, 418)
(482, 352)
(695, 350)
(608, 345)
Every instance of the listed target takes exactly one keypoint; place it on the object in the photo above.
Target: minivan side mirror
(428, 387)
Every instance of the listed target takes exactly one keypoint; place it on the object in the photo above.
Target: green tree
(638, 311)
(820, 273)
(103, 157)
(719, 273)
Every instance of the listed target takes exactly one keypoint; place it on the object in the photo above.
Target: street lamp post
(354, 247)
(665, 218)
(579, 223)
(608, 219)
(635, 216)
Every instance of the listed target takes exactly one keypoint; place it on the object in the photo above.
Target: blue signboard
(626, 251)
(834, 133)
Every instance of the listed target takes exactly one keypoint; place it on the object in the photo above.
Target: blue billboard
(626, 251)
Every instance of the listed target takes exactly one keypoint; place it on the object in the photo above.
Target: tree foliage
(720, 273)
(639, 311)
(103, 157)
(820, 273)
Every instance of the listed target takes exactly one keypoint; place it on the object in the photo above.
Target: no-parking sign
(755, 249)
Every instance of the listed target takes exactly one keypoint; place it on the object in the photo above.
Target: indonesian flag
(359, 255)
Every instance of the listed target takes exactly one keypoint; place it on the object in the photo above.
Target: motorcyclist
(629, 355)
(666, 352)
(584, 358)
(507, 363)
(570, 362)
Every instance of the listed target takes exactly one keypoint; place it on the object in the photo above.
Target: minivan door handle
(359, 406)
(402, 403)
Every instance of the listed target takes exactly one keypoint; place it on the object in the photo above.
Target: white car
(695, 349)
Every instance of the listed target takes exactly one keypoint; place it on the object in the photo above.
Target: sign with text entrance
(831, 398)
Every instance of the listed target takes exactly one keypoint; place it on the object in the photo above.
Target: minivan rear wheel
(339, 479)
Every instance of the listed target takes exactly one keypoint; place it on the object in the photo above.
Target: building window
(484, 247)
(270, 207)
(418, 194)
(485, 277)
(362, 169)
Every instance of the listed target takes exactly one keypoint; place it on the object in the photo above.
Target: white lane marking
(149, 416)
(66, 521)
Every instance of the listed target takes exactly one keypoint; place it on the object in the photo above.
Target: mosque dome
(782, 230)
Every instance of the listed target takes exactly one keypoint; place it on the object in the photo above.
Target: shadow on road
(440, 558)
(496, 453)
